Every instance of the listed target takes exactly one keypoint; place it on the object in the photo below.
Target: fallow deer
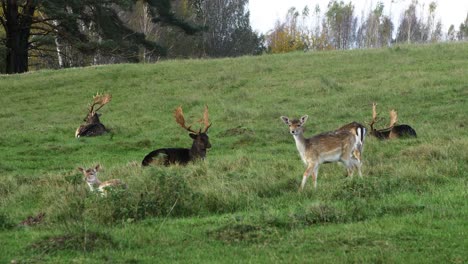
(183, 155)
(393, 130)
(359, 130)
(333, 146)
(93, 126)
(96, 185)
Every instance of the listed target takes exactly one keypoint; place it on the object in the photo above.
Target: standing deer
(333, 146)
(93, 126)
(393, 130)
(358, 130)
(96, 185)
(183, 155)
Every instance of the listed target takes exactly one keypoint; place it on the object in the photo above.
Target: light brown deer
(183, 155)
(358, 130)
(393, 130)
(93, 126)
(95, 184)
(333, 146)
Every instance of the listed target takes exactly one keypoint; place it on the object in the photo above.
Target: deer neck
(301, 145)
(93, 184)
(196, 153)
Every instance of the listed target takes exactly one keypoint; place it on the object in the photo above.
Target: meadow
(242, 203)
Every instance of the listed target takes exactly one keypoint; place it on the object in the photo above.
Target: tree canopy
(78, 26)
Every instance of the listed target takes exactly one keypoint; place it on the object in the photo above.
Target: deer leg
(358, 166)
(356, 161)
(349, 164)
(314, 175)
(306, 175)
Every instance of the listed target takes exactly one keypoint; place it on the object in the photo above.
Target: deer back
(330, 146)
(403, 130)
(357, 129)
(90, 130)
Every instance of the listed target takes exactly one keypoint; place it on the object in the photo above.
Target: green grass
(241, 204)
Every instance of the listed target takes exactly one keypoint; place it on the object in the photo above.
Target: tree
(88, 26)
(463, 30)
(228, 31)
(376, 30)
(286, 36)
(341, 23)
(409, 28)
(451, 33)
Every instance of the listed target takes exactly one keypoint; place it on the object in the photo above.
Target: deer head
(296, 126)
(90, 175)
(99, 100)
(200, 139)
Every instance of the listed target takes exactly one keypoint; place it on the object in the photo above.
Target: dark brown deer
(393, 130)
(183, 156)
(93, 126)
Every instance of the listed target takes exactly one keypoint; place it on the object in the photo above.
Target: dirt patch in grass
(243, 233)
(78, 242)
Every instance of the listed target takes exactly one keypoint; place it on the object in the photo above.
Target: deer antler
(393, 117)
(374, 115)
(206, 121)
(100, 99)
(179, 117)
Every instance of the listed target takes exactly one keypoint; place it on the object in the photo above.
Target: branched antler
(101, 100)
(179, 117)
(393, 117)
(206, 121)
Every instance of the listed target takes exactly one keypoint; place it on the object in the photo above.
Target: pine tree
(89, 26)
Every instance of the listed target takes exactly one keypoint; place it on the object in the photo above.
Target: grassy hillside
(241, 204)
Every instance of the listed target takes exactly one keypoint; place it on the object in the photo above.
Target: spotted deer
(183, 156)
(393, 130)
(93, 126)
(358, 130)
(334, 146)
(95, 185)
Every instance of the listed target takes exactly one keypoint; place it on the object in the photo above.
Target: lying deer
(96, 185)
(393, 130)
(333, 146)
(93, 126)
(183, 155)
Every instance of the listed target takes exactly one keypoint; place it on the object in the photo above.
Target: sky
(264, 13)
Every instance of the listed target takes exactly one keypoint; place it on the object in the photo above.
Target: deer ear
(304, 119)
(285, 119)
(97, 167)
(81, 169)
(193, 136)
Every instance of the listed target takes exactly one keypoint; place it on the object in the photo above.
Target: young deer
(358, 130)
(333, 146)
(393, 130)
(183, 155)
(96, 185)
(93, 126)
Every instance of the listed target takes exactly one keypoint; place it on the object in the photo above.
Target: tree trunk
(58, 47)
(18, 28)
